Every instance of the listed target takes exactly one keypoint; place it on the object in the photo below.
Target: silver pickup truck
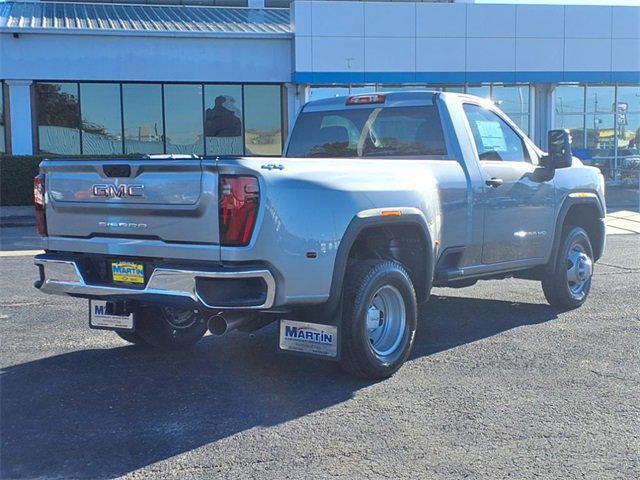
(377, 199)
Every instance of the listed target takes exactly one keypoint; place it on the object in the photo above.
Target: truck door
(518, 197)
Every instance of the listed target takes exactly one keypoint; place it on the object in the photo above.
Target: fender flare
(568, 202)
(374, 218)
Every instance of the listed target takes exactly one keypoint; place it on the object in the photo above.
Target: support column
(20, 116)
(255, 3)
(543, 113)
(297, 96)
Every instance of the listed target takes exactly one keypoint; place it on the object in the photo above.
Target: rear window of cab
(369, 132)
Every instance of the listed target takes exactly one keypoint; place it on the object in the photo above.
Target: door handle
(494, 182)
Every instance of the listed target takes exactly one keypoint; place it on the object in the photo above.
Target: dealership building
(216, 77)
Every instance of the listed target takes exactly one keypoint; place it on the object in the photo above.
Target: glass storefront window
(569, 99)
(600, 135)
(600, 99)
(360, 89)
(223, 125)
(455, 89)
(631, 97)
(575, 124)
(3, 146)
(183, 119)
(142, 112)
(263, 119)
(609, 136)
(58, 117)
(483, 91)
(101, 118)
(511, 99)
(317, 93)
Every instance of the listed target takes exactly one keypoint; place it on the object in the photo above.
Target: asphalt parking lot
(499, 386)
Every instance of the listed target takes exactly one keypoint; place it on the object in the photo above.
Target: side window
(494, 138)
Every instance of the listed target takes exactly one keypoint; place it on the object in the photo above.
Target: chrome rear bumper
(63, 277)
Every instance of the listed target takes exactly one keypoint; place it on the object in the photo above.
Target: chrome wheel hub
(579, 270)
(386, 321)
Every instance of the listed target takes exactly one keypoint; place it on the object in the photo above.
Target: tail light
(239, 200)
(39, 201)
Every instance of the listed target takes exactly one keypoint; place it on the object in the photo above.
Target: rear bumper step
(63, 277)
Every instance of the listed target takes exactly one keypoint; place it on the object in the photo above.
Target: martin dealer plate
(127, 272)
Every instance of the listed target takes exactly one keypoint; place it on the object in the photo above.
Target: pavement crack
(626, 269)
(608, 375)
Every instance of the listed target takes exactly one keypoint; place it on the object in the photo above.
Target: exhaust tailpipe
(220, 323)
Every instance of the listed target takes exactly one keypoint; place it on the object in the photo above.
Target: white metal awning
(126, 19)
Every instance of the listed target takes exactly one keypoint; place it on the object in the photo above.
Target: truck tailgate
(167, 199)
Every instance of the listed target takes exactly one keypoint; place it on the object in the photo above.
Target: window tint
(101, 118)
(369, 132)
(142, 109)
(223, 119)
(263, 119)
(494, 138)
(58, 118)
(183, 119)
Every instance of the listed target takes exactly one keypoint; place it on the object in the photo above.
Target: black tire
(158, 327)
(131, 337)
(556, 286)
(362, 283)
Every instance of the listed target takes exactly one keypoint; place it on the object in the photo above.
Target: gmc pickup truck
(377, 199)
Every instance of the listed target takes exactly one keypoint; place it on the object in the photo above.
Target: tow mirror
(559, 155)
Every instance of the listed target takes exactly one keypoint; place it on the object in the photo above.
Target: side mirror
(559, 155)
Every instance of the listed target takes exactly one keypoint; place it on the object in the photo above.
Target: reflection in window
(600, 135)
(569, 99)
(318, 93)
(223, 119)
(575, 124)
(600, 99)
(511, 100)
(142, 111)
(483, 91)
(3, 146)
(58, 118)
(101, 118)
(630, 97)
(263, 119)
(183, 119)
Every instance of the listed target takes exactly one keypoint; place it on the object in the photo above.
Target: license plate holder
(127, 272)
(103, 316)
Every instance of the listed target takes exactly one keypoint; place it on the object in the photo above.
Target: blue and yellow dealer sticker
(127, 272)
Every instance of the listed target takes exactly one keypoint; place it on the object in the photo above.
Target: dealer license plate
(102, 315)
(127, 272)
(310, 338)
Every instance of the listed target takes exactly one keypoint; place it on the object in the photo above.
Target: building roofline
(120, 19)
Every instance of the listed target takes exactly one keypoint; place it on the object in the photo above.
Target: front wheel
(170, 328)
(379, 319)
(569, 284)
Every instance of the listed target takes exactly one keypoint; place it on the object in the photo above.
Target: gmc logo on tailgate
(107, 190)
